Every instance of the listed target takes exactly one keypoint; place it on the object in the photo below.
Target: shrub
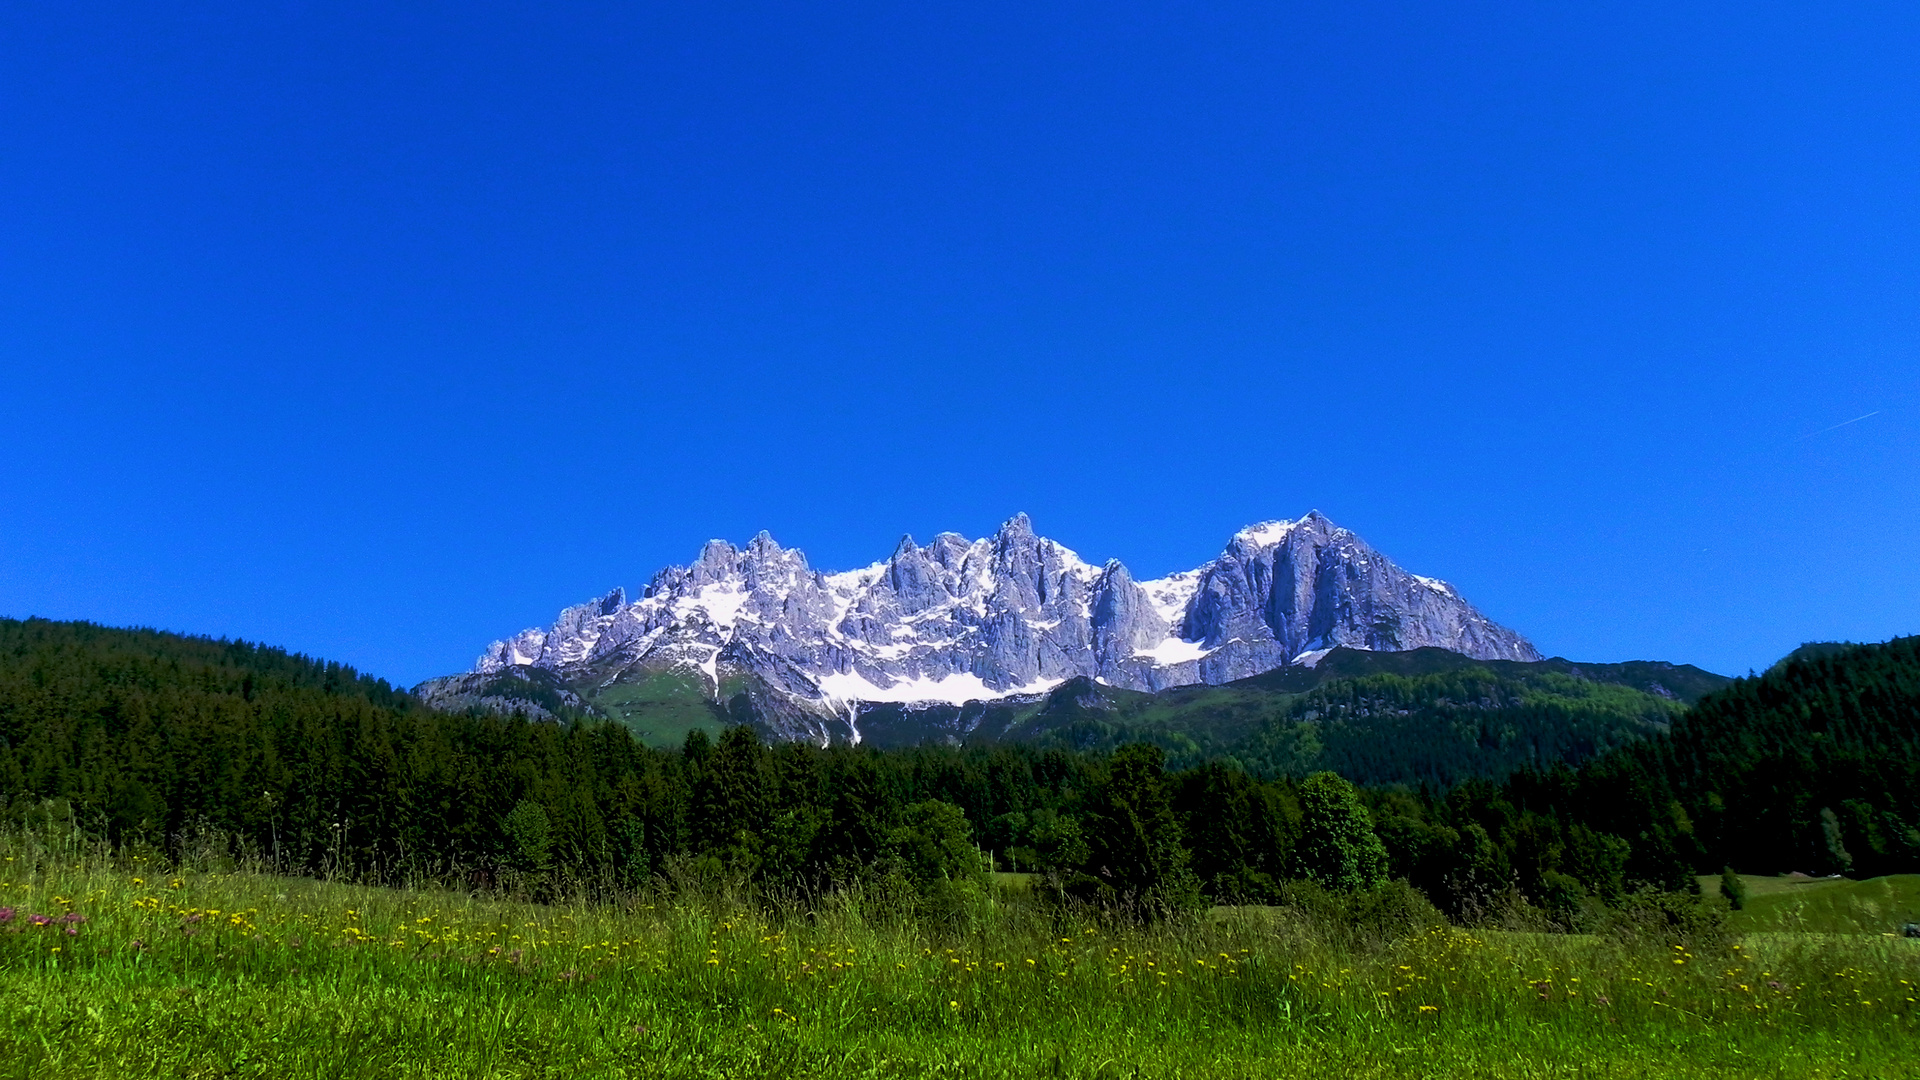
(1368, 917)
(1734, 889)
(1563, 899)
(1670, 918)
(529, 836)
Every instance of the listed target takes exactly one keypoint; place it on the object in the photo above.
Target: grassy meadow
(1824, 905)
(123, 967)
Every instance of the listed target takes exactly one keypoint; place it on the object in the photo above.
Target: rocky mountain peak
(948, 550)
(1014, 613)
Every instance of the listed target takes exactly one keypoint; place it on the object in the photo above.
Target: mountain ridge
(1011, 615)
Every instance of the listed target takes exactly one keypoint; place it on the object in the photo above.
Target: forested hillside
(1814, 766)
(146, 735)
(150, 738)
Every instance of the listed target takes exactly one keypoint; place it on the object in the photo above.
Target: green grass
(241, 975)
(662, 708)
(1771, 885)
(1015, 883)
(1825, 905)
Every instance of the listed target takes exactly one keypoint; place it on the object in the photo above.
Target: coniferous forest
(146, 739)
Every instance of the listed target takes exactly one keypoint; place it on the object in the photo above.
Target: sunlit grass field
(1825, 905)
(124, 968)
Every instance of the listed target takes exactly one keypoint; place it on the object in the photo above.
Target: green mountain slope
(659, 705)
(1423, 716)
(1677, 682)
(1438, 726)
(536, 693)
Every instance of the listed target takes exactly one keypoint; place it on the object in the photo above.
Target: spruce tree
(1136, 856)
(731, 796)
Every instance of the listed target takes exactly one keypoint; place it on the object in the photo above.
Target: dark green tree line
(148, 738)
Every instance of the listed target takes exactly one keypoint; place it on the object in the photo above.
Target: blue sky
(379, 331)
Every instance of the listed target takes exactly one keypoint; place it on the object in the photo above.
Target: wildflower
(6, 915)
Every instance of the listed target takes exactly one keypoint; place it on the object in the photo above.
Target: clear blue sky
(382, 330)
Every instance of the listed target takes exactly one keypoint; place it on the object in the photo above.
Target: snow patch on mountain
(1266, 533)
(1174, 651)
(1171, 594)
(955, 689)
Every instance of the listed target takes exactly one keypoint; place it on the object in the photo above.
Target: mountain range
(1010, 616)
